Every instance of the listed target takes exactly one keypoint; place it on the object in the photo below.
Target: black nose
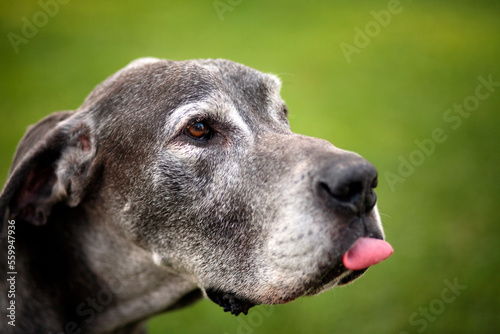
(348, 184)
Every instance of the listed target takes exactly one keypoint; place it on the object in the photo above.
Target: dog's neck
(81, 281)
(140, 286)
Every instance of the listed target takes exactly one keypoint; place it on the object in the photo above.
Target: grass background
(443, 220)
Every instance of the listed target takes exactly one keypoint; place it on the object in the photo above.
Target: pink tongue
(366, 252)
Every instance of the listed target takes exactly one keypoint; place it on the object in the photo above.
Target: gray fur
(120, 215)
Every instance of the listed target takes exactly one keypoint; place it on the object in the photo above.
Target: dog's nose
(348, 185)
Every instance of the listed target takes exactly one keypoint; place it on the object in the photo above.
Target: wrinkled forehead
(239, 76)
(225, 82)
(157, 88)
(191, 80)
(235, 91)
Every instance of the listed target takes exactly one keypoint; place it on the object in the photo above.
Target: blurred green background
(380, 88)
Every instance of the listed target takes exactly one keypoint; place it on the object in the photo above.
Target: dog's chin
(334, 276)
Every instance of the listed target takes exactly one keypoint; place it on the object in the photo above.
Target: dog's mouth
(364, 253)
(335, 275)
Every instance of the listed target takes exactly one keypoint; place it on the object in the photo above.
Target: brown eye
(199, 130)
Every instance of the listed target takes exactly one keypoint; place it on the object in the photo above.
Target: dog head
(195, 162)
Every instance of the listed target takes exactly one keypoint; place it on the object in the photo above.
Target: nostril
(350, 189)
(345, 192)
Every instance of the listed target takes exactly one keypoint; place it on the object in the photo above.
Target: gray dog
(174, 181)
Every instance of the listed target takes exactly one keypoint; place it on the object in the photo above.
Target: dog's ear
(52, 164)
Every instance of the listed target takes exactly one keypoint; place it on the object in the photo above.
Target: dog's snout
(348, 185)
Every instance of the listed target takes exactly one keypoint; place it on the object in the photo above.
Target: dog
(174, 181)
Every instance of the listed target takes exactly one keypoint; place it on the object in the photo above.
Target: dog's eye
(285, 111)
(199, 131)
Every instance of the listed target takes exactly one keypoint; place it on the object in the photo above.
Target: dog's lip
(362, 254)
(336, 274)
(351, 276)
